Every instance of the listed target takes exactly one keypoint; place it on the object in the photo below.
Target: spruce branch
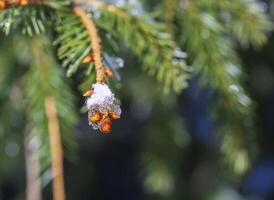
(149, 41)
(30, 17)
(214, 58)
(145, 37)
(95, 43)
(73, 42)
(29, 20)
(56, 149)
(245, 19)
(249, 22)
(49, 82)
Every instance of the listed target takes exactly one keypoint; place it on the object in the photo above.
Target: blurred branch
(32, 169)
(56, 149)
(44, 115)
(214, 58)
(245, 19)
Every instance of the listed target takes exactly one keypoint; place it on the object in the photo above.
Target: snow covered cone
(102, 106)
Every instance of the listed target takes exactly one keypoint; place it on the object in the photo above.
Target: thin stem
(32, 170)
(95, 43)
(56, 149)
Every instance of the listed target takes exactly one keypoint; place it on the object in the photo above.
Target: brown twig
(56, 149)
(95, 43)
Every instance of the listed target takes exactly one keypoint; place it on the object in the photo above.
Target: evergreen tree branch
(214, 58)
(30, 17)
(245, 19)
(29, 20)
(56, 149)
(49, 82)
(149, 41)
(248, 22)
(95, 43)
(73, 42)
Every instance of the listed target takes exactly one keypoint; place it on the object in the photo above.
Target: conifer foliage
(210, 32)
